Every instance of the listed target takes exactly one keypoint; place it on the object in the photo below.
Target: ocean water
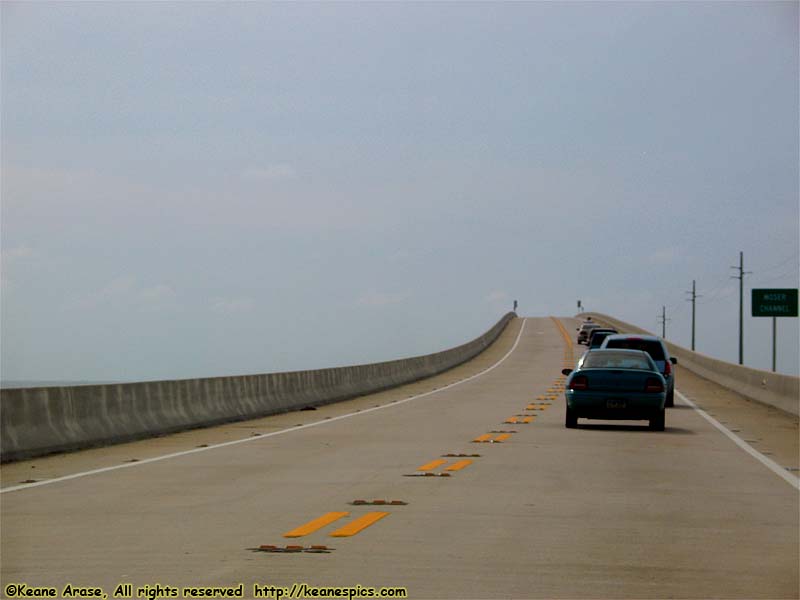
(11, 383)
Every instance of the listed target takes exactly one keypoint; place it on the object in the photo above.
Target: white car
(585, 329)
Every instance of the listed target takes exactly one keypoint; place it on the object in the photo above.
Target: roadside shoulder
(769, 430)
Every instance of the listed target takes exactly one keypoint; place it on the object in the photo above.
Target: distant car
(657, 350)
(615, 384)
(584, 330)
(596, 336)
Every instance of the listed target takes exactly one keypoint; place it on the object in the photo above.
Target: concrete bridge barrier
(773, 389)
(37, 421)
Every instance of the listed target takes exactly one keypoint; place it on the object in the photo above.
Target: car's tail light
(653, 385)
(667, 369)
(581, 382)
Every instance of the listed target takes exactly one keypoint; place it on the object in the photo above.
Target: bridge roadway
(607, 510)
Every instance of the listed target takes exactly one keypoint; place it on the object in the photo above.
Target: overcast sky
(198, 189)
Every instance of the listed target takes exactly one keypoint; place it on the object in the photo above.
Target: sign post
(774, 303)
(774, 331)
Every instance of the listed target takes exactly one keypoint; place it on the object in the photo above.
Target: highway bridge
(461, 485)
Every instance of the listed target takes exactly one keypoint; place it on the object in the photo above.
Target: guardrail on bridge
(37, 421)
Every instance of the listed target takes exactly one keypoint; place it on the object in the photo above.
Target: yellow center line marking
(459, 465)
(528, 419)
(432, 465)
(564, 334)
(312, 526)
(359, 524)
(510, 420)
(502, 437)
(483, 438)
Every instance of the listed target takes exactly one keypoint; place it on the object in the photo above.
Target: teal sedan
(615, 384)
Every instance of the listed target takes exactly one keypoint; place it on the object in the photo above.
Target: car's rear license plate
(615, 403)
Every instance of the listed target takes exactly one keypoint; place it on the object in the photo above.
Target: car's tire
(657, 421)
(670, 401)
(571, 420)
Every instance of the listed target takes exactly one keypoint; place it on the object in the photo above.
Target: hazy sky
(198, 189)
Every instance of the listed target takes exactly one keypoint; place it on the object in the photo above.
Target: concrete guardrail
(773, 389)
(43, 420)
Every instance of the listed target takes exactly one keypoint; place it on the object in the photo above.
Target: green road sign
(775, 302)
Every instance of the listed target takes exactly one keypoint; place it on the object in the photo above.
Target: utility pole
(663, 321)
(692, 300)
(740, 277)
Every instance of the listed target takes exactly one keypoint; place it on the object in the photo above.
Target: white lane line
(28, 486)
(764, 460)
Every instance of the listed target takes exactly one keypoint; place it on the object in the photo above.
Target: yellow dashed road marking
(432, 465)
(483, 438)
(459, 465)
(502, 437)
(312, 526)
(359, 524)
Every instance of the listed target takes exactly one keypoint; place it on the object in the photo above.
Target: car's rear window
(598, 337)
(616, 360)
(651, 347)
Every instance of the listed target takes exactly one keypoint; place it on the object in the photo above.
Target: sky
(204, 189)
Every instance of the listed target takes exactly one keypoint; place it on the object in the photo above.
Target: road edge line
(764, 460)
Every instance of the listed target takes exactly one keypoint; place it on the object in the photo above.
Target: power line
(719, 296)
(714, 290)
(780, 264)
(777, 277)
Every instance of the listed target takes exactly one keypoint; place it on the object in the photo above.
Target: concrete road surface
(608, 510)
